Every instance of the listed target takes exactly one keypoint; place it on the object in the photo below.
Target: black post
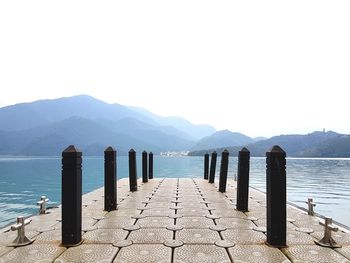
(223, 171)
(206, 166)
(150, 165)
(243, 180)
(110, 179)
(276, 196)
(132, 171)
(214, 155)
(144, 167)
(71, 196)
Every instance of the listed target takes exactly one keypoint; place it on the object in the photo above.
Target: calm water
(24, 180)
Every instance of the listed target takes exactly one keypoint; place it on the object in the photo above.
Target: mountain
(29, 115)
(338, 146)
(316, 144)
(196, 131)
(46, 127)
(222, 139)
(259, 138)
(52, 139)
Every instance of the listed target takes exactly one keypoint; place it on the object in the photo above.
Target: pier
(174, 220)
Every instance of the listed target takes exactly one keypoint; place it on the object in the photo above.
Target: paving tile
(39, 224)
(150, 235)
(92, 253)
(195, 222)
(235, 223)
(345, 251)
(4, 250)
(119, 222)
(33, 253)
(313, 253)
(155, 222)
(120, 213)
(138, 253)
(158, 212)
(88, 224)
(193, 212)
(186, 205)
(99, 236)
(309, 222)
(298, 238)
(94, 213)
(257, 254)
(200, 254)
(197, 236)
(229, 213)
(53, 237)
(261, 222)
(244, 236)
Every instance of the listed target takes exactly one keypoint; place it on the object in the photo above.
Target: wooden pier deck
(174, 220)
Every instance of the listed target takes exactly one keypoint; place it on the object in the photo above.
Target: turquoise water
(24, 179)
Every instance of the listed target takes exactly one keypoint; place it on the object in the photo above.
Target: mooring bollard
(310, 207)
(223, 171)
(327, 240)
(214, 155)
(276, 197)
(206, 166)
(144, 167)
(71, 196)
(132, 171)
(150, 165)
(42, 204)
(243, 180)
(21, 239)
(110, 179)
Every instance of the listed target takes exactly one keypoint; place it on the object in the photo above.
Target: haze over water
(24, 179)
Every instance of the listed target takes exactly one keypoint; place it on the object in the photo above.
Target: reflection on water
(23, 180)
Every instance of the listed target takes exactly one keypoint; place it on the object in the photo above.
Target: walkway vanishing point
(174, 220)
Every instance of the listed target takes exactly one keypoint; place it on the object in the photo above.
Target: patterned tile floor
(174, 220)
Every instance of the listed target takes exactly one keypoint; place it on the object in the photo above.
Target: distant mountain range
(46, 127)
(222, 139)
(316, 144)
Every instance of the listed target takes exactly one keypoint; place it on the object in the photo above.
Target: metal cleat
(327, 240)
(310, 203)
(21, 239)
(42, 203)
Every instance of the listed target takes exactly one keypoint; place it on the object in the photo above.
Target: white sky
(258, 67)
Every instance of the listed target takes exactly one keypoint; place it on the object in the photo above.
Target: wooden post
(150, 165)
(71, 196)
(206, 166)
(243, 180)
(276, 197)
(144, 167)
(132, 171)
(212, 167)
(110, 188)
(223, 171)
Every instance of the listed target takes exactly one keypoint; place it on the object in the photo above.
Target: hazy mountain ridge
(46, 127)
(316, 144)
(222, 139)
(196, 131)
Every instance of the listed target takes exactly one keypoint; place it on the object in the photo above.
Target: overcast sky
(258, 67)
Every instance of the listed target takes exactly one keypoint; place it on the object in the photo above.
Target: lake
(24, 179)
